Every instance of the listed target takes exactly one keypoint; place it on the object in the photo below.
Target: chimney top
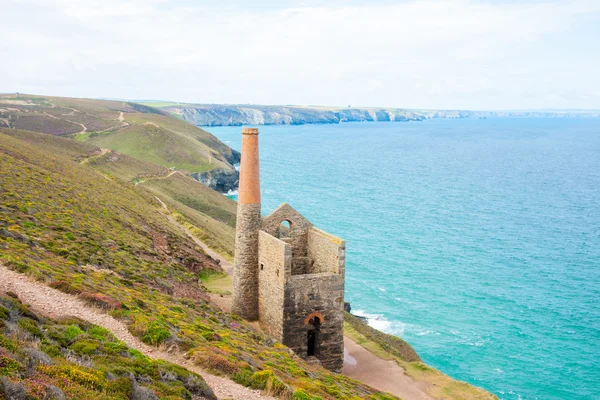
(249, 131)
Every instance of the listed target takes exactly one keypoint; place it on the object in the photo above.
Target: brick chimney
(245, 273)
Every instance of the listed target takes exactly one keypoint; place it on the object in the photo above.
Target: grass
(126, 168)
(217, 282)
(146, 133)
(82, 361)
(106, 241)
(196, 196)
(160, 146)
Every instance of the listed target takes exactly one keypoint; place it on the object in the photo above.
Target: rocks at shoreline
(221, 180)
(348, 309)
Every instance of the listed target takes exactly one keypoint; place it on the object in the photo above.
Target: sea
(475, 240)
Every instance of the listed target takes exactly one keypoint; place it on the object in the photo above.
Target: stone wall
(275, 260)
(299, 227)
(326, 252)
(245, 273)
(322, 295)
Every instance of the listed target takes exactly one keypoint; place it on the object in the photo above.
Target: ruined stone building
(288, 274)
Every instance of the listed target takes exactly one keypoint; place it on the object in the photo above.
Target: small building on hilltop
(288, 274)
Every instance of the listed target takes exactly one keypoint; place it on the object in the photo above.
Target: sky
(436, 54)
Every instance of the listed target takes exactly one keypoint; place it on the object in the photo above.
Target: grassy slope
(161, 146)
(63, 223)
(138, 130)
(209, 215)
(78, 359)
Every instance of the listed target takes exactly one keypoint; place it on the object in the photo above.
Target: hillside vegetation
(47, 359)
(143, 132)
(107, 241)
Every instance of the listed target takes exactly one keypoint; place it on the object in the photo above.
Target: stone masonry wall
(245, 273)
(299, 227)
(275, 259)
(326, 252)
(306, 295)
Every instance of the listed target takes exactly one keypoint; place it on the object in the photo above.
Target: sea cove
(477, 241)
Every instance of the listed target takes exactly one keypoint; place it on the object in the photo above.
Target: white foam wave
(231, 193)
(376, 321)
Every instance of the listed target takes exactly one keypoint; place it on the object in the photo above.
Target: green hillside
(107, 241)
(143, 132)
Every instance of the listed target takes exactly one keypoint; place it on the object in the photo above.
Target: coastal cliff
(236, 115)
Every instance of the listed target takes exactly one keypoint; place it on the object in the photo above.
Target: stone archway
(313, 333)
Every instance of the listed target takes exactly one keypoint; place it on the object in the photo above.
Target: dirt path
(158, 177)
(102, 152)
(56, 304)
(83, 127)
(226, 265)
(385, 375)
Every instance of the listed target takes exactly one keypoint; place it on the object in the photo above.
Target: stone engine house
(288, 274)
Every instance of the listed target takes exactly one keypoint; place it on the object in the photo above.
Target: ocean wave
(376, 321)
(231, 193)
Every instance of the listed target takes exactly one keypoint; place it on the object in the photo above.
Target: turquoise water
(477, 241)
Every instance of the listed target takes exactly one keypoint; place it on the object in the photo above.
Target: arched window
(314, 331)
(285, 229)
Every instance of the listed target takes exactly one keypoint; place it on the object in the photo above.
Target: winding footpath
(56, 304)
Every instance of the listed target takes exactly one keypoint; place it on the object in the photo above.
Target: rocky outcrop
(221, 180)
(232, 156)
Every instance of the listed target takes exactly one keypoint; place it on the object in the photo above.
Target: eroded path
(56, 304)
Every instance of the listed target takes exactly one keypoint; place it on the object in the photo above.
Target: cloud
(433, 53)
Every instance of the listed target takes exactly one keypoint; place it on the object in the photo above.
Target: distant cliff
(235, 115)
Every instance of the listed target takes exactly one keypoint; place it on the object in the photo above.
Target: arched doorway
(314, 331)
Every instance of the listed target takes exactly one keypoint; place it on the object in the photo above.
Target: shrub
(121, 385)
(156, 334)
(85, 378)
(86, 346)
(8, 366)
(302, 395)
(114, 348)
(99, 332)
(7, 343)
(4, 312)
(101, 300)
(65, 287)
(30, 326)
(72, 332)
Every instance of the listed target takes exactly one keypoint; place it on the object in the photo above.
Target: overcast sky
(458, 54)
